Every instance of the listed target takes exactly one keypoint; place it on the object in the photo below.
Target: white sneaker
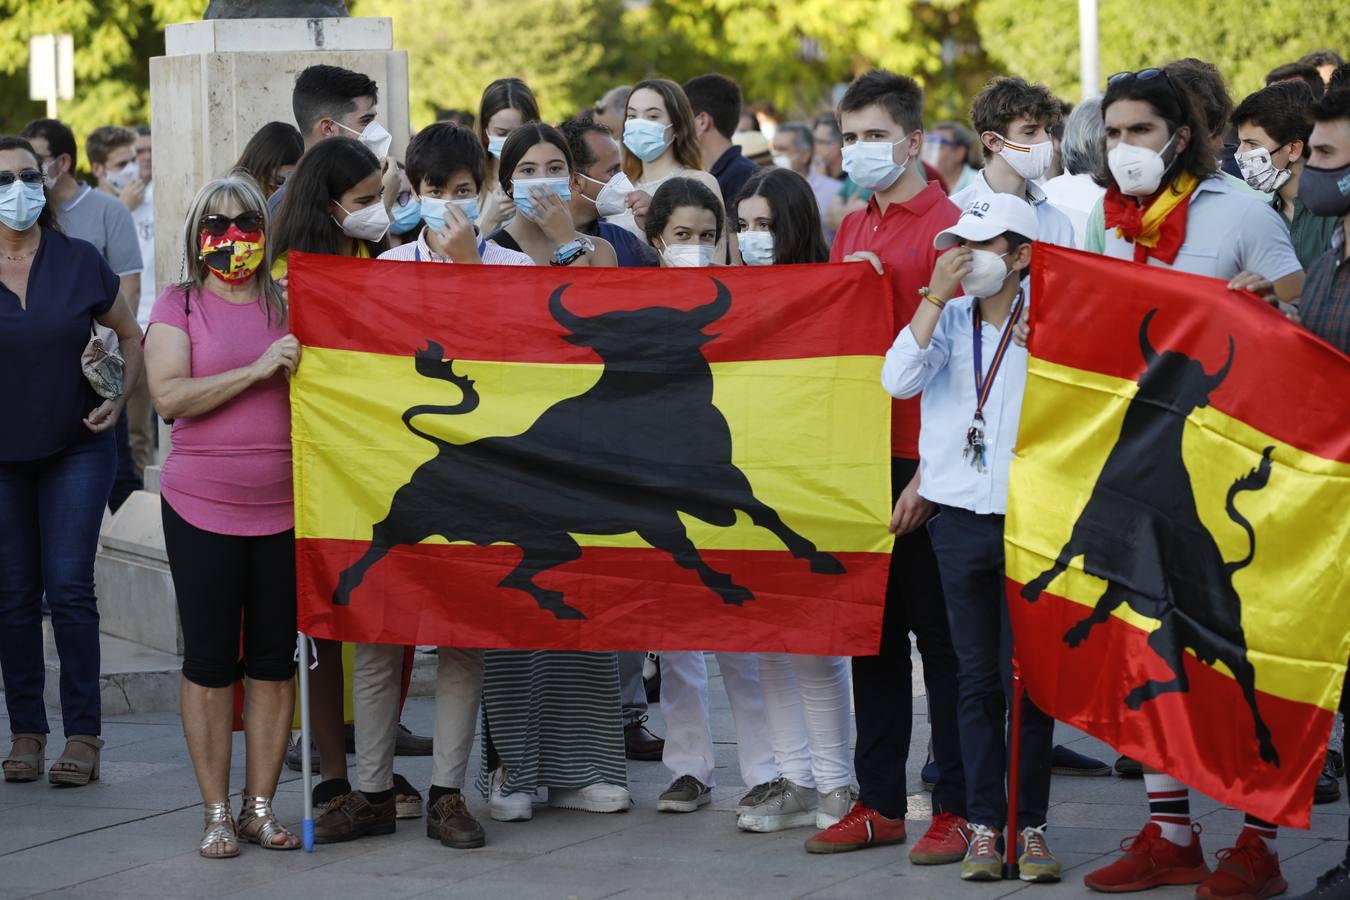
(596, 798)
(834, 805)
(787, 805)
(517, 807)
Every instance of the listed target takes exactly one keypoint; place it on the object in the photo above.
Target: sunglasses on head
(27, 176)
(216, 224)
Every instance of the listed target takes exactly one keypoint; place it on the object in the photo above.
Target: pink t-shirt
(229, 471)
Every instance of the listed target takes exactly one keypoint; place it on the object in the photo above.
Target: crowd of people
(1162, 169)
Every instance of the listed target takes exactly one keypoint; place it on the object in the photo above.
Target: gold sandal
(25, 766)
(219, 829)
(258, 810)
(80, 771)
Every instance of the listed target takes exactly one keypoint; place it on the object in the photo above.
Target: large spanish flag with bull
(591, 458)
(1177, 528)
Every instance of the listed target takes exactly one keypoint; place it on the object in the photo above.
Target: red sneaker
(1247, 870)
(946, 841)
(861, 828)
(1149, 861)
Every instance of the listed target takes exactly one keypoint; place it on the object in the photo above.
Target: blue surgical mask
(520, 191)
(756, 247)
(21, 204)
(433, 211)
(407, 216)
(495, 145)
(872, 165)
(645, 139)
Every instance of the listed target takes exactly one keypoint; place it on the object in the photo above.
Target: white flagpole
(307, 776)
(1089, 69)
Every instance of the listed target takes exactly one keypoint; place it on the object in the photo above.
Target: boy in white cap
(958, 353)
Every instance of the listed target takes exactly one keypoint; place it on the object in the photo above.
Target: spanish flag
(1177, 527)
(592, 458)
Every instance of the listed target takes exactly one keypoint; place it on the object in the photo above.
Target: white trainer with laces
(787, 805)
(834, 805)
(595, 798)
(517, 807)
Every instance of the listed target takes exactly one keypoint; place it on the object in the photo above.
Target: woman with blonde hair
(218, 357)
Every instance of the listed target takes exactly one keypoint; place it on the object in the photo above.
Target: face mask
(407, 216)
(613, 197)
(1326, 192)
(872, 165)
(376, 139)
(495, 145)
(987, 273)
(1137, 170)
(21, 204)
(520, 191)
(1259, 170)
(756, 247)
(782, 161)
(1028, 160)
(932, 152)
(48, 178)
(367, 224)
(433, 211)
(645, 139)
(688, 256)
(233, 256)
(119, 180)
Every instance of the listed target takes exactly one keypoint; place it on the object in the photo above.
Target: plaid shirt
(1325, 306)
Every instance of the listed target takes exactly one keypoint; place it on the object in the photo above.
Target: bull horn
(1144, 346)
(1217, 378)
(561, 314)
(710, 312)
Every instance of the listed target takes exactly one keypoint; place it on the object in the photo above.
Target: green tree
(1039, 38)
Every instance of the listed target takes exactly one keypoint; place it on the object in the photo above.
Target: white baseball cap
(989, 216)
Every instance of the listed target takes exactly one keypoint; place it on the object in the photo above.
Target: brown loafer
(449, 821)
(352, 816)
(640, 744)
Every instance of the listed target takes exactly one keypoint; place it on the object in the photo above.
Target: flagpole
(1010, 869)
(307, 776)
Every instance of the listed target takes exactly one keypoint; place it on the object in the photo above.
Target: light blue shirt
(945, 373)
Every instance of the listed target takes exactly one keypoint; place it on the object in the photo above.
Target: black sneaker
(1332, 885)
(1064, 761)
(294, 762)
(1328, 788)
(1127, 767)
(1335, 764)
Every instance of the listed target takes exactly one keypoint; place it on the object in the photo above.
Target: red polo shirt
(902, 238)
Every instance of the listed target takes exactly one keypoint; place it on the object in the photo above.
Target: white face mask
(688, 256)
(1138, 171)
(613, 197)
(1259, 171)
(1028, 160)
(367, 224)
(376, 139)
(872, 165)
(782, 161)
(756, 247)
(495, 145)
(124, 176)
(987, 273)
(51, 174)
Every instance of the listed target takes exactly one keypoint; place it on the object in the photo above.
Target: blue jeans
(50, 513)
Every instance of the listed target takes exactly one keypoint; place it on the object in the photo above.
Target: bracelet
(927, 294)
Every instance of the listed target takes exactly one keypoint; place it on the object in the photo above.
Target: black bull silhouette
(644, 444)
(1142, 534)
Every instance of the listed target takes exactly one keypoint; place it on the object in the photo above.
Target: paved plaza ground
(135, 835)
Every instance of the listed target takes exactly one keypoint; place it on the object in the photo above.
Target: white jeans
(684, 706)
(806, 703)
(377, 679)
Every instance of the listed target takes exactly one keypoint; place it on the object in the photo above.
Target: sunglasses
(216, 224)
(1144, 75)
(27, 176)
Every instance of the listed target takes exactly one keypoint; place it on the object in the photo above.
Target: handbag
(103, 366)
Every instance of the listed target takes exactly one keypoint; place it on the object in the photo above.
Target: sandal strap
(259, 810)
(219, 826)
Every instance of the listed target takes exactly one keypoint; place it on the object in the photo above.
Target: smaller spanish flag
(1176, 527)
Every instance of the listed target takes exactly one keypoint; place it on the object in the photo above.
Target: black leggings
(221, 579)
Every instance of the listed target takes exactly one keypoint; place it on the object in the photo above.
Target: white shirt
(945, 373)
(1055, 226)
(1074, 195)
(492, 254)
(144, 218)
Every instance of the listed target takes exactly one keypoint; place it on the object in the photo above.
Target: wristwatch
(570, 252)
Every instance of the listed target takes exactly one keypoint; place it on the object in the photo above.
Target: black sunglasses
(1144, 75)
(216, 224)
(27, 176)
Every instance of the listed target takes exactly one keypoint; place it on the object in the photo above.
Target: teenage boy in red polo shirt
(881, 117)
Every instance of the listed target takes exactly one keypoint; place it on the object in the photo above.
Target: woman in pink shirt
(218, 357)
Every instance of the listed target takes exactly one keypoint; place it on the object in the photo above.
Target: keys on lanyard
(974, 452)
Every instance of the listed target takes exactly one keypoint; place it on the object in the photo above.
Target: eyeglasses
(216, 224)
(27, 176)
(939, 139)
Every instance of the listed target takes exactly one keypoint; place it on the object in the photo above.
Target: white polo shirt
(1056, 228)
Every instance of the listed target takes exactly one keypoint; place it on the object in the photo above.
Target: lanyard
(983, 387)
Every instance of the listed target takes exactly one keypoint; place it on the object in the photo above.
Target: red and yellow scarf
(1156, 229)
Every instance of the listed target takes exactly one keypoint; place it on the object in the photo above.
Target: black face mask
(1326, 192)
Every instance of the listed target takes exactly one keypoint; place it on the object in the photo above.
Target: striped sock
(1264, 830)
(1169, 805)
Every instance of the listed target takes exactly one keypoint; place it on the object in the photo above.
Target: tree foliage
(1039, 38)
